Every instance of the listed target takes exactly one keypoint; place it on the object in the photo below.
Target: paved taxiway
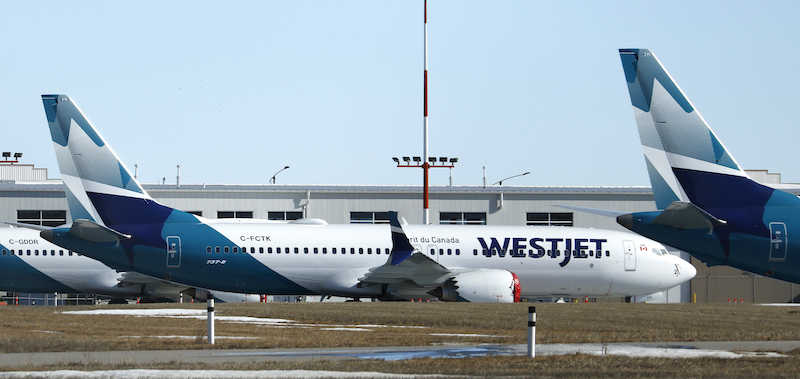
(721, 349)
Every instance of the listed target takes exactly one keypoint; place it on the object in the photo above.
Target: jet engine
(481, 286)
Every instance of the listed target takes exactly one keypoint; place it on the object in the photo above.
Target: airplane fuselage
(331, 259)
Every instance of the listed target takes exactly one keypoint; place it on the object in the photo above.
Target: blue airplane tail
(98, 186)
(685, 159)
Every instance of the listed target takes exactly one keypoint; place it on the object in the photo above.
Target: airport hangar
(28, 196)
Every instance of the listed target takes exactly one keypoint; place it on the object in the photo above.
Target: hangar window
(549, 219)
(196, 213)
(42, 217)
(234, 214)
(284, 216)
(462, 218)
(369, 217)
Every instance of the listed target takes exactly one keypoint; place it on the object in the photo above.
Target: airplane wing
(406, 266)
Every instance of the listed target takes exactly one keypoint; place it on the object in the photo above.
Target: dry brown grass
(36, 329)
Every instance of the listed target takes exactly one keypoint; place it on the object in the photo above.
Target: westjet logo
(570, 248)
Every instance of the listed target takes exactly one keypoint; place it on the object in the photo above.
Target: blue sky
(234, 91)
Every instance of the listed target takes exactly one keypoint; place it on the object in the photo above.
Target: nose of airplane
(684, 271)
(688, 270)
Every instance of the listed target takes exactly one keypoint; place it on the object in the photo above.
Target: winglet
(401, 248)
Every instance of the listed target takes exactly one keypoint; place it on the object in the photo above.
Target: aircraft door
(778, 245)
(630, 255)
(173, 251)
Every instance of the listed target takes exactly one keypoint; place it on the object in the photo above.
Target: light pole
(501, 181)
(272, 180)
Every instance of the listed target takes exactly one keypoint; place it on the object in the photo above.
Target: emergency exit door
(173, 251)
(778, 243)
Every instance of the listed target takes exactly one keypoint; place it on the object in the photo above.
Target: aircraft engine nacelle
(481, 286)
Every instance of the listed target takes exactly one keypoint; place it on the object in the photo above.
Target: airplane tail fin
(98, 187)
(685, 159)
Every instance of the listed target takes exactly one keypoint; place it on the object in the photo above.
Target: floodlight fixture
(417, 159)
(443, 160)
(6, 154)
(17, 155)
(396, 160)
(453, 160)
(407, 159)
(432, 159)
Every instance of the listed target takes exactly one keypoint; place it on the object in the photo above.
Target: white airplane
(29, 264)
(119, 224)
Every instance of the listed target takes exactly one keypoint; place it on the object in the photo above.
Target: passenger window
(608, 253)
(474, 251)
(217, 250)
(297, 250)
(316, 250)
(36, 253)
(29, 252)
(305, 250)
(333, 251)
(433, 251)
(70, 253)
(324, 250)
(52, 253)
(208, 249)
(261, 250)
(361, 250)
(369, 250)
(5, 252)
(226, 249)
(236, 249)
(269, 250)
(61, 252)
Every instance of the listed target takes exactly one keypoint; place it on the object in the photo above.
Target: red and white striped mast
(426, 161)
(425, 165)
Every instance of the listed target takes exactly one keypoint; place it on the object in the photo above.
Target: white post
(210, 318)
(531, 332)
(55, 303)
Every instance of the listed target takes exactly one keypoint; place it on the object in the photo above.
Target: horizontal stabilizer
(599, 212)
(28, 226)
(684, 215)
(93, 232)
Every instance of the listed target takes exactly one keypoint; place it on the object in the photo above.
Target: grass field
(40, 329)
